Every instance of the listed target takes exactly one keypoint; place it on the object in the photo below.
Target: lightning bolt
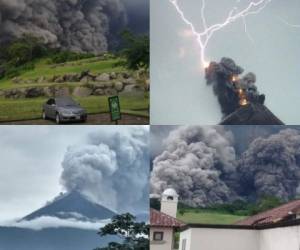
(203, 37)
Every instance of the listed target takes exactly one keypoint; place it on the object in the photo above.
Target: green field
(25, 109)
(208, 217)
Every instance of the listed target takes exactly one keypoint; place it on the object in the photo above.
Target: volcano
(252, 114)
(73, 205)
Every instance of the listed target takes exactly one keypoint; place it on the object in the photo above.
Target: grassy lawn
(25, 109)
(46, 70)
(206, 217)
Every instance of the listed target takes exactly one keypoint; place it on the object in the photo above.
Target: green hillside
(42, 68)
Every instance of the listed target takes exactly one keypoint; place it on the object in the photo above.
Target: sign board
(115, 108)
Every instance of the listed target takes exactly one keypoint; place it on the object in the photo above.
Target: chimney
(169, 202)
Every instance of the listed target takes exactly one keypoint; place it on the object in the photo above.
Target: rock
(82, 91)
(14, 93)
(103, 77)
(113, 75)
(129, 81)
(16, 80)
(71, 78)
(109, 84)
(59, 79)
(111, 92)
(119, 86)
(64, 91)
(34, 92)
(99, 92)
(85, 79)
(125, 75)
(98, 85)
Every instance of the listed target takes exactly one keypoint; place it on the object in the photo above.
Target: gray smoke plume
(194, 163)
(271, 166)
(78, 25)
(112, 169)
(229, 88)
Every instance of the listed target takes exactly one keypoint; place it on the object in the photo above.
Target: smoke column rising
(112, 169)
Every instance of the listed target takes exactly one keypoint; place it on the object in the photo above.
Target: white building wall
(283, 238)
(220, 239)
(166, 244)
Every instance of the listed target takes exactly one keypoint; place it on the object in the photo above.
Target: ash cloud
(210, 165)
(195, 163)
(232, 90)
(271, 166)
(78, 25)
(112, 169)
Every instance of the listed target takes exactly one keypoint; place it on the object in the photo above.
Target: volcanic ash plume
(232, 91)
(112, 169)
(194, 163)
(271, 166)
(70, 24)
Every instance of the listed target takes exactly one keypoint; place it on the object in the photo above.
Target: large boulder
(104, 77)
(99, 92)
(82, 91)
(119, 86)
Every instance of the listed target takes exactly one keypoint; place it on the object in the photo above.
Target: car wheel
(57, 119)
(44, 116)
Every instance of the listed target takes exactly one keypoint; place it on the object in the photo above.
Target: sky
(179, 93)
(31, 163)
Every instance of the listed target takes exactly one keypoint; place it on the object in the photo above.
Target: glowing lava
(203, 37)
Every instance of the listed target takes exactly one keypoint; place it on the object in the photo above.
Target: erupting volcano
(239, 99)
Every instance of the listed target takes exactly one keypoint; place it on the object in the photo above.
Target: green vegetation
(208, 217)
(133, 235)
(136, 51)
(23, 109)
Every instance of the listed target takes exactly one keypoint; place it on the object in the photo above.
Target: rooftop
(275, 215)
(160, 219)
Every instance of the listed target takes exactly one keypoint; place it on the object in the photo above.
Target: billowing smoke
(112, 169)
(232, 91)
(78, 25)
(195, 163)
(271, 166)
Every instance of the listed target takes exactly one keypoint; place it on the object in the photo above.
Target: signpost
(115, 109)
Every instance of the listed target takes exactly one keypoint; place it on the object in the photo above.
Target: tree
(136, 51)
(133, 235)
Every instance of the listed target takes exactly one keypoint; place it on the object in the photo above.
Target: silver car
(63, 109)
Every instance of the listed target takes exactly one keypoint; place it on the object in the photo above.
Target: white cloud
(54, 222)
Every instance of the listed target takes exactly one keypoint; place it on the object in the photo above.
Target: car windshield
(65, 102)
